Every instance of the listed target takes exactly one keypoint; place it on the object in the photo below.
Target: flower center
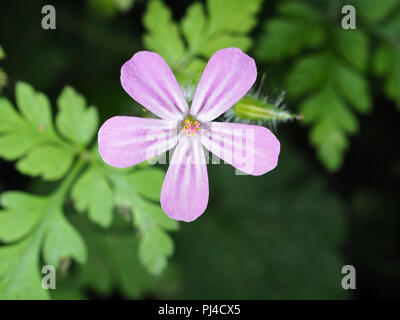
(191, 127)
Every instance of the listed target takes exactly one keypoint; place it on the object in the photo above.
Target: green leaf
(353, 45)
(160, 26)
(50, 162)
(373, 11)
(352, 86)
(331, 78)
(34, 106)
(386, 61)
(390, 30)
(14, 145)
(228, 23)
(21, 213)
(335, 111)
(275, 46)
(154, 250)
(300, 23)
(63, 241)
(311, 108)
(93, 193)
(310, 73)
(33, 226)
(392, 82)
(232, 15)
(147, 217)
(307, 74)
(325, 110)
(225, 25)
(45, 227)
(75, 120)
(383, 60)
(113, 261)
(193, 25)
(330, 142)
(32, 136)
(19, 272)
(298, 9)
(331, 121)
(10, 118)
(148, 182)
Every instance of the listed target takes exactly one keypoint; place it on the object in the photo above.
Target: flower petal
(251, 149)
(126, 141)
(184, 194)
(227, 77)
(148, 79)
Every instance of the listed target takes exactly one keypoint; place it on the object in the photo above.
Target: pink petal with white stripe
(184, 194)
(148, 79)
(251, 149)
(126, 141)
(228, 76)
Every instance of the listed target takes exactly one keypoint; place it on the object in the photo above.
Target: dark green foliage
(187, 45)
(330, 66)
(284, 245)
(32, 226)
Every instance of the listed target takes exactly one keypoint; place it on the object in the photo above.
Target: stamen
(191, 127)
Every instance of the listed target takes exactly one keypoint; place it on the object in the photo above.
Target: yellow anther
(191, 127)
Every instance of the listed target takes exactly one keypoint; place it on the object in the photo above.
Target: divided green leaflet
(328, 74)
(198, 35)
(34, 227)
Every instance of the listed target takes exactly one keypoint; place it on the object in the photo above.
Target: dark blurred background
(285, 235)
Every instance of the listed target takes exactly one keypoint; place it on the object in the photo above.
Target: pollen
(191, 127)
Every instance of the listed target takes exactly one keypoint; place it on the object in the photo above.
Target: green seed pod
(261, 111)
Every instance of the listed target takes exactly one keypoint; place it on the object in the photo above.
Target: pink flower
(126, 141)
